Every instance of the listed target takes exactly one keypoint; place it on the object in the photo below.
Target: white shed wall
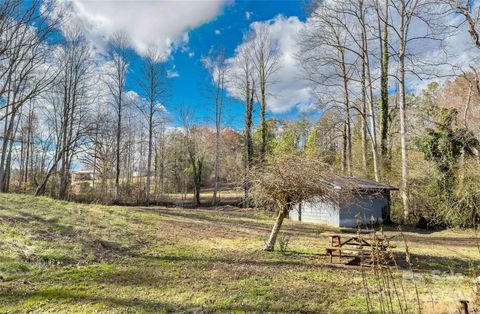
(317, 211)
(343, 215)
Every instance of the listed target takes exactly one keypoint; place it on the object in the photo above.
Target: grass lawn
(69, 258)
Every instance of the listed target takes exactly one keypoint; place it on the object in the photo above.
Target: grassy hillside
(64, 257)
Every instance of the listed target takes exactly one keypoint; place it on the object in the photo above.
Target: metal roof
(339, 182)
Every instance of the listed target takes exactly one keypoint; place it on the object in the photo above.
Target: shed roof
(83, 171)
(339, 182)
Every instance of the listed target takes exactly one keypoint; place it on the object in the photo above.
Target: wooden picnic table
(357, 246)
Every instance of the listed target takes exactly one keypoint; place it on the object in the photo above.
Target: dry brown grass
(83, 258)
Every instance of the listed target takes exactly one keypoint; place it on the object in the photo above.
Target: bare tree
(405, 11)
(352, 17)
(160, 158)
(427, 16)
(116, 84)
(265, 60)
(218, 69)
(367, 82)
(329, 65)
(382, 14)
(196, 156)
(471, 14)
(70, 100)
(244, 84)
(100, 155)
(27, 69)
(154, 88)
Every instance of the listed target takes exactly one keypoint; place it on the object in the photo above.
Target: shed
(369, 202)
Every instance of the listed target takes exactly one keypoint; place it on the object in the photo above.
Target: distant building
(370, 203)
(82, 181)
(83, 175)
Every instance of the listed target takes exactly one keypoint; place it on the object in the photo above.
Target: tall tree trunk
(119, 134)
(263, 123)
(364, 110)
(156, 170)
(403, 133)
(149, 157)
(248, 141)
(384, 93)
(29, 151)
(65, 139)
(364, 141)
(270, 245)
(371, 113)
(162, 168)
(41, 187)
(348, 130)
(94, 174)
(217, 165)
(197, 179)
(7, 138)
(367, 82)
(344, 147)
(22, 160)
(8, 165)
(218, 125)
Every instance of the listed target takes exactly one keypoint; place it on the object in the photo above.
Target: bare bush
(286, 180)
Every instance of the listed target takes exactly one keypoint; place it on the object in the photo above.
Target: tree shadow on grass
(27, 217)
(264, 226)
(451, 265)
(443, 241)
(13, 297)
(233, 260)
(62, 295)
(54, 232)
(410, 229)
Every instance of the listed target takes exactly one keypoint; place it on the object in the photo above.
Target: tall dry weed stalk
(384, 291)
(476, 274)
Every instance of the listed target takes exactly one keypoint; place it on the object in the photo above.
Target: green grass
(74, 258)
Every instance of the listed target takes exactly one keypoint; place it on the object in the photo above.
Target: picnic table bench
(359, 246)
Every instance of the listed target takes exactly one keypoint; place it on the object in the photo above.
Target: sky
(226, 30)
(188, 31)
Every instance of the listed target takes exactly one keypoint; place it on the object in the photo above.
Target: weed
(283, 241)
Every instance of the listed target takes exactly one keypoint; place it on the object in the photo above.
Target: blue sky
(190, 87)
(185, 31)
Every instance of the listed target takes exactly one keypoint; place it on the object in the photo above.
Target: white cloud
(436, 55)
(186, 49)
(217, 32)
(172, 74)
(439, 61)
(291, 91)
(132, 97)
(288, 90)
(248, 15)
(160, 24)
(135, 100)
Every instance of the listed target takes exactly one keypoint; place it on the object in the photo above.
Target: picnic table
(360, 246)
